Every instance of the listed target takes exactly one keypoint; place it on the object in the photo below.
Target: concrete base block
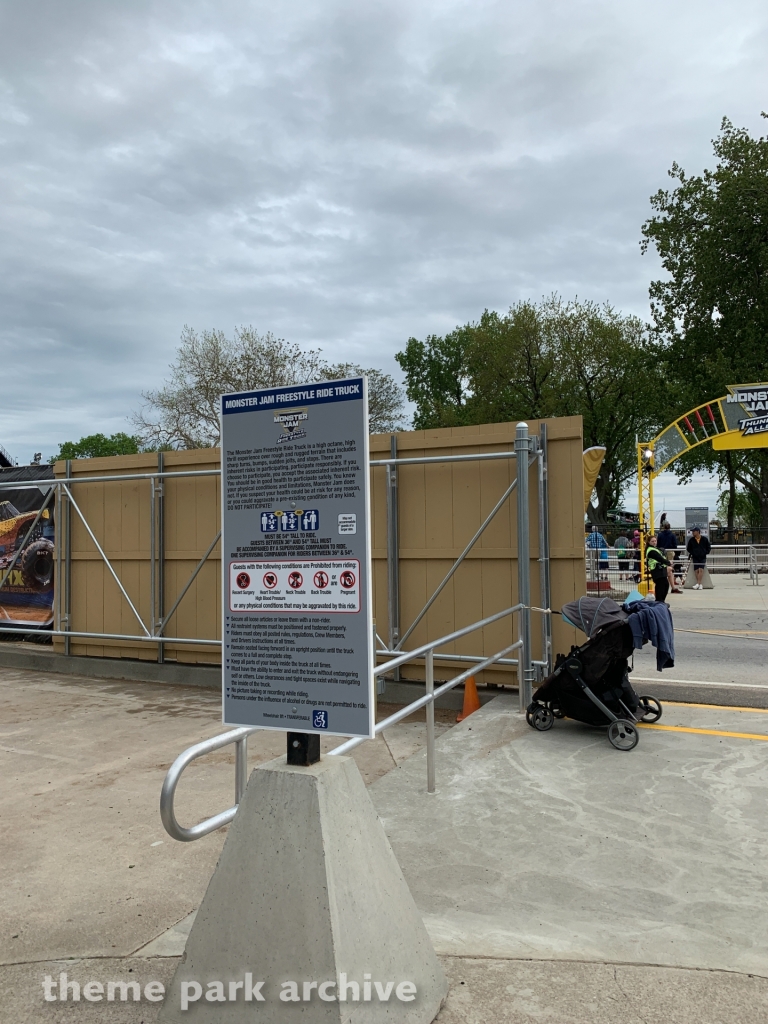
(307, 890)
(706, 580)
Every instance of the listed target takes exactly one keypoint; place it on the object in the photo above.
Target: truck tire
(36, 564)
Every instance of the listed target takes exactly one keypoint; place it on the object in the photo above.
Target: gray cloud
(343, 174)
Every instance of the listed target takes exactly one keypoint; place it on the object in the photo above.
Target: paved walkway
(731, 591)
(88, 868)
(560, 880)
(555, 845)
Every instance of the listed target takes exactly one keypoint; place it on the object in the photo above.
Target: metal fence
(153, 628)
(614, 572)
(153, 609)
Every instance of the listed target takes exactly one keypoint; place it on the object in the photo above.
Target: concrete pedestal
(706, 580)
(307, 891)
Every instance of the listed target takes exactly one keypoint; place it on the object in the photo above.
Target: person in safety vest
(657, 563)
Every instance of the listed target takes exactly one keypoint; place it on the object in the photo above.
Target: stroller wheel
(529, 712)
(555, 709)
(543, 719)
(650, 709)
(623, 735)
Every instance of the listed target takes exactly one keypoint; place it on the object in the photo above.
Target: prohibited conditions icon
(243, 580)
(347, 580)
(295, 580)
(321, 580)
(270, 580)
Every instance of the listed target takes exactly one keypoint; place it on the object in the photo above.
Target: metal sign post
(525, 662)
(298, 651)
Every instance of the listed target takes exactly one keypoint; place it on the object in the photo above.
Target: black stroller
(591, 684)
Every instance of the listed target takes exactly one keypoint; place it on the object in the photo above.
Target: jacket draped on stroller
(591, 684)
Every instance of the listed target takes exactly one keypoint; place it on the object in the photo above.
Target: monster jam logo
(290, 421)
(751, 397)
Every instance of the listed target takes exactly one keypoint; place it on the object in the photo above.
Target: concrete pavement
(481, 991)
(88, 868)
(560, 879)
(556, 846)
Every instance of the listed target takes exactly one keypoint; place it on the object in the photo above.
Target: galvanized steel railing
(240, 736)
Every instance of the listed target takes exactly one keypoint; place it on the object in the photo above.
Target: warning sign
(295, 586)
(298, 636)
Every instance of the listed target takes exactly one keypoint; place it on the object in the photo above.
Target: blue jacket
(652, 620)
(667, 539)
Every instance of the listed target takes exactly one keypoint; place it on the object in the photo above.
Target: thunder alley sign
(753, 399)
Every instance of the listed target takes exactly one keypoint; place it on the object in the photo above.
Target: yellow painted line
(702, 682)
(720, 632)
(733, 632)
(720, 707)
(704, 732)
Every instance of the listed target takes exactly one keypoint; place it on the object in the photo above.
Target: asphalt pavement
(720, 658)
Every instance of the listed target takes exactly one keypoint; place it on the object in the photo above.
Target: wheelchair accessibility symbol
(295, 580)
(347, 580)
(270, 580)
(243, 580)
(321, 582)
(319, 719)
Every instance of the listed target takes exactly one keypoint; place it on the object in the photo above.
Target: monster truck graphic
(35, 563)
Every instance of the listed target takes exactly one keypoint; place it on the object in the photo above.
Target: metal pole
(57, 524)
(68, 565)
(152, 558)
(525, 668)
(544, 565)
(393, 554)
(430, 711)
(160, 553)
(241, 768)
(381, 683)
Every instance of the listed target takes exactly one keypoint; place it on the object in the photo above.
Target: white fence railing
(620, 567)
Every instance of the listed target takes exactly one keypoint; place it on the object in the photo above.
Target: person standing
(698, 547)
(597, 542)
(636, 546)
(658, 565)
(622, 544)
(668, 544)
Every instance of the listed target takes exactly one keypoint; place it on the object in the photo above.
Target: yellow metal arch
(723, 422)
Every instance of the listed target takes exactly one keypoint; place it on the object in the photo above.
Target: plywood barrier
(440, 508)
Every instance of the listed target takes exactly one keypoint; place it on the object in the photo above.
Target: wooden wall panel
(440, 508)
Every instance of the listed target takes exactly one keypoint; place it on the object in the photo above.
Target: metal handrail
(428, 698)
(240, 736)
(167, 815)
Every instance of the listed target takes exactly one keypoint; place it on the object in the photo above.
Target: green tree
(711, 311)
(184, 412)
(437, 378)
(744, 510)
(386, 399)
(552, 358)
(96, 446)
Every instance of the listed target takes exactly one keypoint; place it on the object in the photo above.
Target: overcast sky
(342, 174)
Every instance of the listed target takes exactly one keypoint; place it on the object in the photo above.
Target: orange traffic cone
(471, 700)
